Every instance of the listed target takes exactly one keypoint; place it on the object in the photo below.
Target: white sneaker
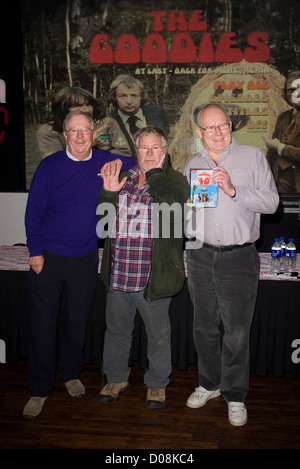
(200, 397)
(237, 413)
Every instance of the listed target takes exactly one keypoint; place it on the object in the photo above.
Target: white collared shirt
(237, 220)
(76, 159)
(141, 122)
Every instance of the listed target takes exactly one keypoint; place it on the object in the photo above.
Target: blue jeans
(223, 289)
(121, 309)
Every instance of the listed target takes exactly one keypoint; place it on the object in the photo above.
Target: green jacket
(167, 268)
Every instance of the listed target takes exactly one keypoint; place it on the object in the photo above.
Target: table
(276, 322)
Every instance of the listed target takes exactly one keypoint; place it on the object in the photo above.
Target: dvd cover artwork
(204, 193)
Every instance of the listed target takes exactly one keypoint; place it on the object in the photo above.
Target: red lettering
(197, 22)
(226, 50)
(175, 19)
(5, 112)
(158, 25)
(258, 85)
(183, 49)
(206, 49)
(232, 85)
(155, 50)
(100, 51)
(127, 50)
(259, 50)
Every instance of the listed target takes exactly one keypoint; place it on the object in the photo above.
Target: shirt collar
(76, 159)
(134, 172)
(124, 116)
(226, 152)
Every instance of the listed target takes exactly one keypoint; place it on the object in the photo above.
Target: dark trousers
(223, 290)
(73, 279)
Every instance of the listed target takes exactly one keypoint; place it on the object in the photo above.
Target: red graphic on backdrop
(183, 48)
(5, 112)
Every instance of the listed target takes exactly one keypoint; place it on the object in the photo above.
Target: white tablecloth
(16, 258)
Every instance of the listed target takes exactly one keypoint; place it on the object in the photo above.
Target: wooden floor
(273, 416)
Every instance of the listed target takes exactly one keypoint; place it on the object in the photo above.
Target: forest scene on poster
(185, 54)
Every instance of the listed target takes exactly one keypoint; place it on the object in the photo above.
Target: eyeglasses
(84, 131)
(155, 149)
(212, 128)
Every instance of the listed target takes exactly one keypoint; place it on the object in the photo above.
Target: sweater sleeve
(128, 162)
(36, 209)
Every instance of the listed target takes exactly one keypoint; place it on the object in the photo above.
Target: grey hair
(200, 110)
(77, 112)
(148, 130)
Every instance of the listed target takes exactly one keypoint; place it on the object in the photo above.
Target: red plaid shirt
(131, 243)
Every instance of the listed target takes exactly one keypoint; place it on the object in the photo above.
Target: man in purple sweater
(60, 223)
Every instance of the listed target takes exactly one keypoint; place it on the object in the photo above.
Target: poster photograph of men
(157, 62)
(124, 118)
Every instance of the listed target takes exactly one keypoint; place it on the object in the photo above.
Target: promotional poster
(184, 55)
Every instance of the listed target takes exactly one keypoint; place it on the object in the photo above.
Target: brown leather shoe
(111, 391)
(34, 407)
(75, 388)
(155, 398)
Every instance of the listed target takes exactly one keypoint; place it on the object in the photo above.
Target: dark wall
(12, 152)
(279, 224)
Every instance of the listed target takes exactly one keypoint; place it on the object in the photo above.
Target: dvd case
(204, 192)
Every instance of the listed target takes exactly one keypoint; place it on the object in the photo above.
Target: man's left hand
(117, 163)
(110, 174)
(222, 178)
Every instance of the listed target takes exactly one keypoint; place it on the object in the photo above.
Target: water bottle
(276, 255)
(290, 256)
(283, 256)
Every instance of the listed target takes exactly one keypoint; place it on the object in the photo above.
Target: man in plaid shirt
(140, 270)
(131, 238)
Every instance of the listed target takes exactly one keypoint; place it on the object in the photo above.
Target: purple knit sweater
(61, 208)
